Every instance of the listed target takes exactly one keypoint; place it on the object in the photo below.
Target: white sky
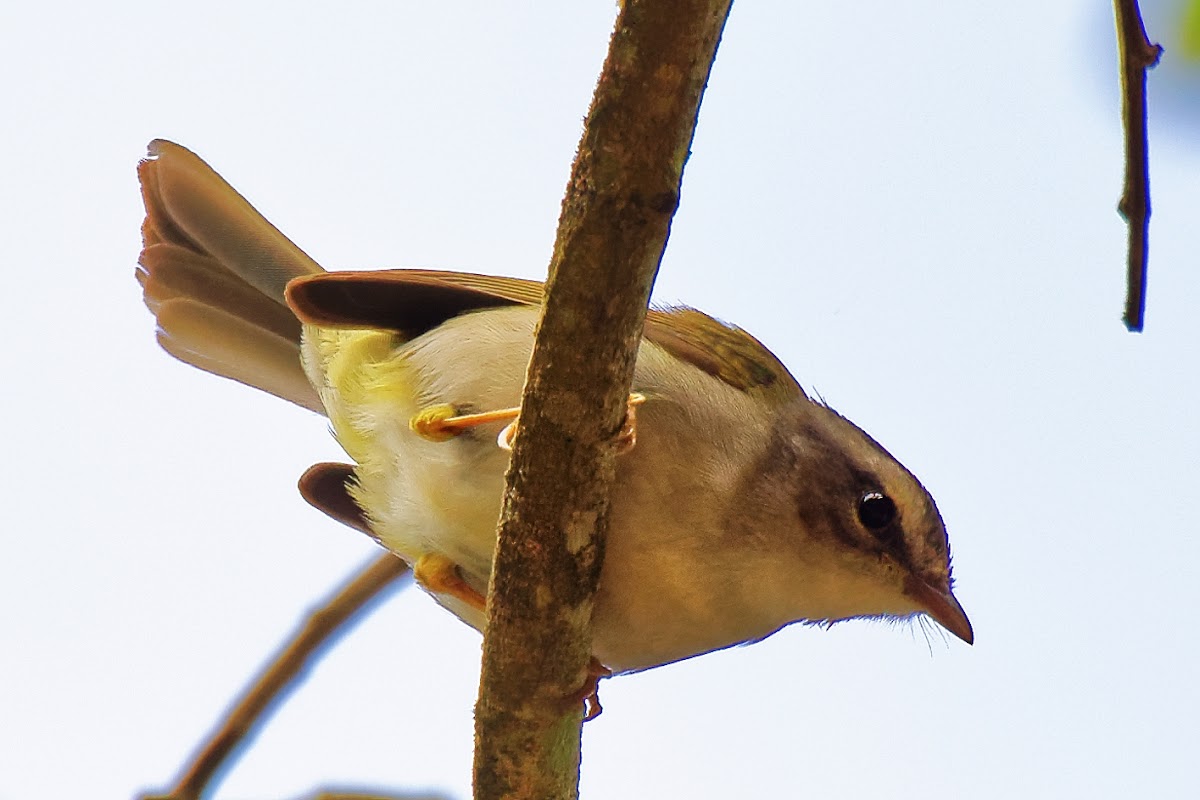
(912, 203)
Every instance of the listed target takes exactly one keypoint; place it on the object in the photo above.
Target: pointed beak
(941, 605)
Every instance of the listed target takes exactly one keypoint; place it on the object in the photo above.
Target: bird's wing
(415, 301)
(410, 301)
(326, 487)
(723, 351)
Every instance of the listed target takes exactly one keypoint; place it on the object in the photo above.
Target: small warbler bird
(740, 506)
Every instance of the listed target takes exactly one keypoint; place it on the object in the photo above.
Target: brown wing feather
(415, 301)
(723, 351)
(410, 301)
(326, 487)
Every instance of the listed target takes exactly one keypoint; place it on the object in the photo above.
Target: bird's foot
(442, 422)
(589, 693)
(439, 575)
(626, 438)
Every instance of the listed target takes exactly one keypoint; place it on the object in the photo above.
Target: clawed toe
(442, 422)
(439, 575)
(626, 438)
(589, 693)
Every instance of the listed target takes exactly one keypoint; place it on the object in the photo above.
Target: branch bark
(1136, 54)
(616, 215)
(289, 666)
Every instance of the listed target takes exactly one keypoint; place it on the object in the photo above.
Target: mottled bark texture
(616, 216)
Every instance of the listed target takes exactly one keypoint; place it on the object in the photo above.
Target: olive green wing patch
(723, 351)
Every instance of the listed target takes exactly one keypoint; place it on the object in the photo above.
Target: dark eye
(876, 511)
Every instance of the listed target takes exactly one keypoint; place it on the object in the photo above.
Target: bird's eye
(876, 511)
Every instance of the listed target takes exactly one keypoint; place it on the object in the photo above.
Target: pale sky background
(912, 203)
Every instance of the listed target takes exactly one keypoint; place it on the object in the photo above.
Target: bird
(741, 505)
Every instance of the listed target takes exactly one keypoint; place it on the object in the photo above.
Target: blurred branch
(283, 674)
(1136, 54)
(359, 794)
(621, 197)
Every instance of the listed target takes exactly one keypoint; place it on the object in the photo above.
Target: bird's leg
(626, 439)
(441, 422)
(589, 693)
(439, 575)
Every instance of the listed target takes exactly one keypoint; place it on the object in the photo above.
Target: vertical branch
(1136, 54)
(623, 191)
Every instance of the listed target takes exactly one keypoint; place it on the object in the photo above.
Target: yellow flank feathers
(356, 370)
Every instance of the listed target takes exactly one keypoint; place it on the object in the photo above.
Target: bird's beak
(942, 606)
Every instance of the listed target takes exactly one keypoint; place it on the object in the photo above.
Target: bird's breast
(661, 597)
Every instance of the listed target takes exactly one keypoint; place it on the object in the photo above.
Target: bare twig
(616, 215)
(1136, 54)
(360, 794)
(283, 674)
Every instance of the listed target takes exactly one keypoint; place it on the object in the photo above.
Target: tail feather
(185, 196)
(172, 272)
(213, 272)
(227, 345)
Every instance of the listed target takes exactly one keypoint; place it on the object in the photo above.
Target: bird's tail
(213, 272)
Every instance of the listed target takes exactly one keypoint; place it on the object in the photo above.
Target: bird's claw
(626, 437)
(437, 574)
(442, 422)
(589, 693)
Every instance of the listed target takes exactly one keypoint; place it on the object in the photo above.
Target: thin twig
(1136, 54)
(358, 794)
(621, 197)
(283, 674)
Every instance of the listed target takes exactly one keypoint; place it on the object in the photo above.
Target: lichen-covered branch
(616, 215)
(1136, 54)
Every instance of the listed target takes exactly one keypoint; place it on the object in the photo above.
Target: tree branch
(283, 674)
(623, 191)
(1136, 54)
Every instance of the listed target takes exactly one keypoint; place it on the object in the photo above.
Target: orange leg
(441, 422)
(626, 439)
(437, 574)
(589, 693)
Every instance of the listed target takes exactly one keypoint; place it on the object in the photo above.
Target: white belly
(667, 521)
